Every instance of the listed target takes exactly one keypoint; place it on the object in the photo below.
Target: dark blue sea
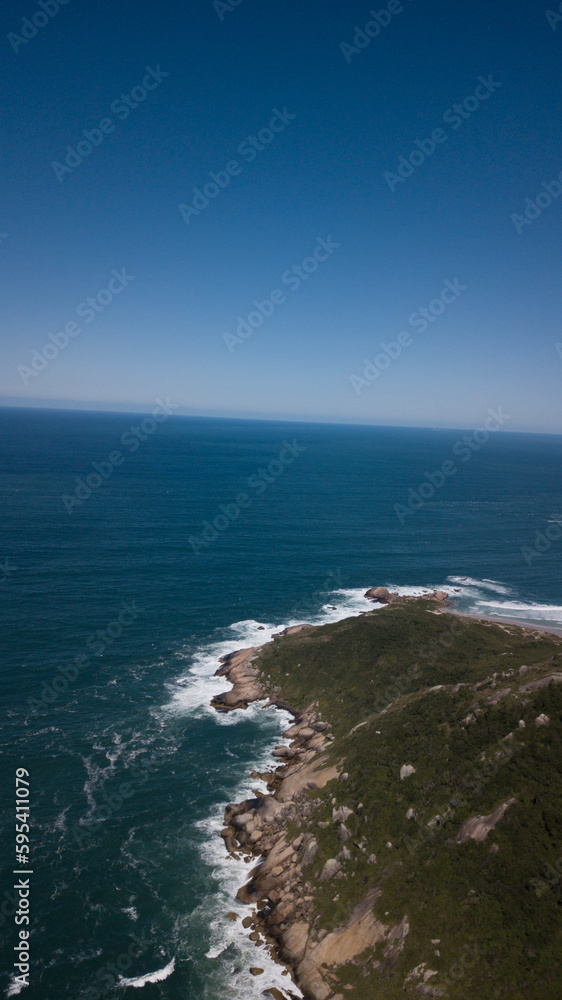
(129, 562)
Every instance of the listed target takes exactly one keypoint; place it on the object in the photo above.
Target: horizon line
(73, 406)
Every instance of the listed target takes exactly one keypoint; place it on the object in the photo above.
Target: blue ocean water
(118, 595)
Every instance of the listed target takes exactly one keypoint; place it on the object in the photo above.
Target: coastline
(503, 621)
(258, 828)
(281, 918)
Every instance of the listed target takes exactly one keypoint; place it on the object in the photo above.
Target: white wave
(14, 988)
(522, 611)
(229, 944)
(60, 822)
(191, 694)
(416, 591)
(229, 947)
(494, 585)
(151, 977)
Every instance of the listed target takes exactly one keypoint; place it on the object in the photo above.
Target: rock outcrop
(382, 595)
(479, 827)
(245, 686)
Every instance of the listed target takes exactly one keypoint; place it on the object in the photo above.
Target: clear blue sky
(64, 231)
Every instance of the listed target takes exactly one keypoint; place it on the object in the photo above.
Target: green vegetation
(496, 913)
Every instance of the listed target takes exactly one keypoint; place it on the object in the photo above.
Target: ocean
(130, 561)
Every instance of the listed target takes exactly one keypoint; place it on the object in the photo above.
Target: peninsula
(409, 843)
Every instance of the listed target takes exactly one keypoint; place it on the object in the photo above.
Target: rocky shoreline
(283, 916)
(257, 828)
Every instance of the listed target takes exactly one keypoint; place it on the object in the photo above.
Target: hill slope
(438, 803)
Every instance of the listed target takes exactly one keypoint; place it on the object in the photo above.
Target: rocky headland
(315, 892)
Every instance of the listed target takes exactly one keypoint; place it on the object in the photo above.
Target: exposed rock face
(239, 671)
(277, 879)
(363, 931)
(542, 682)
(479, 827)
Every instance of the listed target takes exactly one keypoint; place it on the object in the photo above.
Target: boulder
(306, 733)
(542, 720)
(310, 852)
(406, 770)
(378, 594)
(240, 821)
(341, 814)
(284, 752)
(232, 810)
(330, 869)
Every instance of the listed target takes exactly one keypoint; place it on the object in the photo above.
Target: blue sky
(346, 107)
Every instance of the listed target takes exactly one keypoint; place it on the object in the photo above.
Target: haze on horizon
(353, 216)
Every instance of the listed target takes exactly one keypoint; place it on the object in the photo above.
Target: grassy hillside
(441, 694)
